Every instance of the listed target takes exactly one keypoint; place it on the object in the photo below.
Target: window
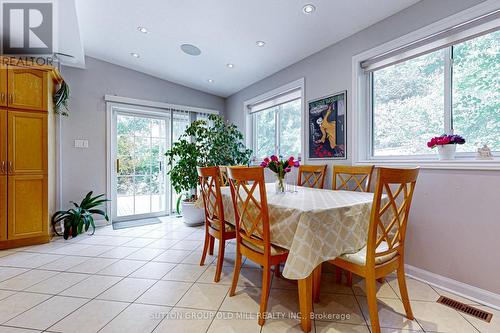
(277, 126)
(455, 89)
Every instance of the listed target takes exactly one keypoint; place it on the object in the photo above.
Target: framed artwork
(328, 127)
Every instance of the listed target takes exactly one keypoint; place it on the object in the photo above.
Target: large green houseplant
(215, 142)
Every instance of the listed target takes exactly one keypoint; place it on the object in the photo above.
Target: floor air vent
(480, 314)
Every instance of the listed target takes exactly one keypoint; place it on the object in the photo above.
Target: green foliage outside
(211, 143)
(409, 99)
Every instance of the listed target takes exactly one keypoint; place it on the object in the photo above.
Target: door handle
(117, 165)
(10, 167)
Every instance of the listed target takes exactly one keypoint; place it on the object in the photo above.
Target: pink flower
(296, 164)
(267, 160)
(263, 164)
(288, 169)
(274, 158)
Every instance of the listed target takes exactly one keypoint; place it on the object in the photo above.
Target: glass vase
(280, 184)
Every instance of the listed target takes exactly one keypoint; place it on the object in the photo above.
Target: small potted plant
(75, 220)
(280, 168)
(446, 145)
(211, 143)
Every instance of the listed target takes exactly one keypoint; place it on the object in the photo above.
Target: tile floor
(147, 279)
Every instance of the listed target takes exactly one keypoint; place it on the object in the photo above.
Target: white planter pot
(447, 152)
(192, 215)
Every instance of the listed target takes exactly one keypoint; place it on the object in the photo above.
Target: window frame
(250, 126)
(362, 104)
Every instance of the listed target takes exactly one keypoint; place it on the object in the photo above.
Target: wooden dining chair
(352, 178)
(312, 176)
(253, 238)
(384, 252)
(216, 226)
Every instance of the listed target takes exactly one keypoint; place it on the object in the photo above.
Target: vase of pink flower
(280, 168)
(446, 145)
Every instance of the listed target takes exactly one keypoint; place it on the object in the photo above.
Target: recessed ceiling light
(230, 66)
(190, 49)
(308, 9)
(210, 81)
(260, 43)
(144, 30)
(135, 55)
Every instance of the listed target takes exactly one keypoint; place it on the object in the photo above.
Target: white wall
(85, 169)
(455, 221)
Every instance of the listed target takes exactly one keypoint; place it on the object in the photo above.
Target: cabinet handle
(10, 167)
(3, 167)
(3, 97)
(11, 97)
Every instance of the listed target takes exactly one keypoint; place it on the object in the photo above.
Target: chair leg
(211, 247)
(236, 272)
(266, 280)
(316, 283)
(349, 279)
(205, 248)
(371, 295)
(277, 272)
(338, 274)
(220, 260)
(404, 292)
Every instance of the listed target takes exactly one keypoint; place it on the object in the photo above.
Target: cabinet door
(27, 88)
(3, 142)
(3, 85)
(27, 143)
(27, 206)
(3, 207)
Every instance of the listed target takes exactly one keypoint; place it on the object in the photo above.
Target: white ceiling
(225, 31)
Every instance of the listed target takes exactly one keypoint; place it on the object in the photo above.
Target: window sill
(457, 164)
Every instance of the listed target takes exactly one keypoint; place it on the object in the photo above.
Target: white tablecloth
(314, 225)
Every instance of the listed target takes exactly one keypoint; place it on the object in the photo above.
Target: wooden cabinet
(27, 88)
(3, 142)
(3, 208)
(27, 174)
(27, 220)
(3, 85)
(27, 140)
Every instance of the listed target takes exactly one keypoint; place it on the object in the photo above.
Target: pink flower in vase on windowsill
(446, 144)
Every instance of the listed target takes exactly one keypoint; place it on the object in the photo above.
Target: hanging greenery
(61, 98)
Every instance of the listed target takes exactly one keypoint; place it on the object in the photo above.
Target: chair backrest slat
(391, 207)
(224, 180)
(209, 179)
(352, 178)
(248, 192)
(312, 176)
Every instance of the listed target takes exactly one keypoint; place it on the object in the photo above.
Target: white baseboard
(101, 223)
(478, 295)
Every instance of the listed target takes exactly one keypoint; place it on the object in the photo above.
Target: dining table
(314, 225)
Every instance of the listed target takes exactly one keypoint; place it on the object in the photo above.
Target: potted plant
(211, 143)
(280, 168)
(76, 220)
(446, 144)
